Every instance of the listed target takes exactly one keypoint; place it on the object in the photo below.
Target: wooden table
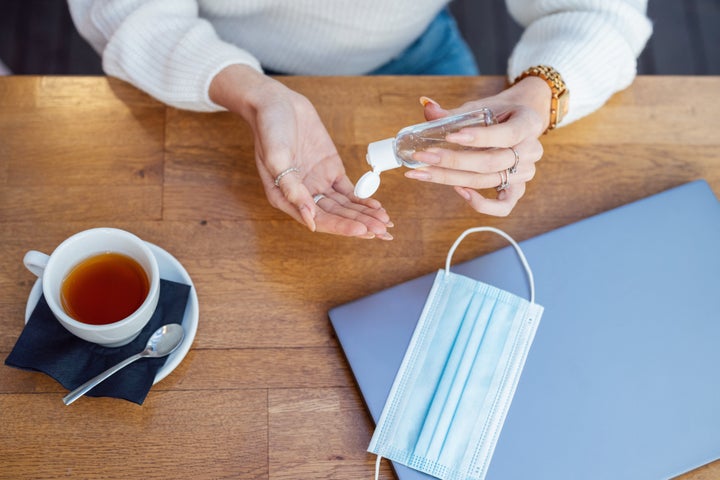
(265, 391)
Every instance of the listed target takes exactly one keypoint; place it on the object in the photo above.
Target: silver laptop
(623, 378)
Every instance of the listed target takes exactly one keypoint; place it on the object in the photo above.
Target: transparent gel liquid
(432, 134)
(398, 151)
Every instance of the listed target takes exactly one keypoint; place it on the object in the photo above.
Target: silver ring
(283, 173)
(504, 183)
(513, 169)
(318, 197)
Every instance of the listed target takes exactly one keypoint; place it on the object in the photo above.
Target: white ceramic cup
(53, 269)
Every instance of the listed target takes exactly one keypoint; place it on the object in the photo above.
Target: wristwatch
(560, 92)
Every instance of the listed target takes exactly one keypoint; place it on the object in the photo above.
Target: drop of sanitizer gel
(398, 151)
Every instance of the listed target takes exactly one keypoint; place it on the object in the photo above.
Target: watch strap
(560, 93)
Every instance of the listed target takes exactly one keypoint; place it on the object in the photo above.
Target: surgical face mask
(450, 397)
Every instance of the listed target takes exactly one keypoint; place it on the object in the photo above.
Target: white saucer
(170, 269)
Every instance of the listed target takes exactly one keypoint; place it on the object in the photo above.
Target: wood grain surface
(265, 392)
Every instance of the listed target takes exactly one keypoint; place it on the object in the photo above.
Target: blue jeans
(440, 50)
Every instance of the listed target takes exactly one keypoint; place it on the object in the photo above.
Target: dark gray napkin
(46, 346)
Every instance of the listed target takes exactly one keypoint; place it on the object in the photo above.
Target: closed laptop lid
(622, 378)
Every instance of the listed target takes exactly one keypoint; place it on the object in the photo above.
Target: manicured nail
(385, 236)
(418, 175)
(425, 100)
(308, 217)
(367, 235)
(372, 203)
(463, 193)
(389, 224)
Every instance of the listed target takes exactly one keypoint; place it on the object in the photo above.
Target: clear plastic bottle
(395, 152)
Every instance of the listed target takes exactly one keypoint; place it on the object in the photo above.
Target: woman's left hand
(506, 152)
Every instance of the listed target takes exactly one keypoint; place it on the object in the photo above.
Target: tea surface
(104, 288)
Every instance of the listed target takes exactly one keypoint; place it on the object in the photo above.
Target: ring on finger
(283, 173)
(504, 183)
(318, 197)
(513, 169)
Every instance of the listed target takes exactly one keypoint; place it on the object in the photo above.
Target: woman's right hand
(289, 134)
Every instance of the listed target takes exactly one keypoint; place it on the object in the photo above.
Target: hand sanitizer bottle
(394, 152)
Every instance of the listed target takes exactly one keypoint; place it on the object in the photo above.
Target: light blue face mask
(450, 397)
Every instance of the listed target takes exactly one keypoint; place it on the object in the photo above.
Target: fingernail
(463, 193)
(367, 235)
(308, 217)
(385, 236)
(372, 203)
(459, 137)
(389, 224)
(418, 175)
(425, 100)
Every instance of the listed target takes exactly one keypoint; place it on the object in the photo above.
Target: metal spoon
(163, 342)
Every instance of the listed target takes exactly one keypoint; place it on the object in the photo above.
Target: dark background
(38, 37)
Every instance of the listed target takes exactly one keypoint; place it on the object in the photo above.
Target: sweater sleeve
(594, 44)
(162, 47)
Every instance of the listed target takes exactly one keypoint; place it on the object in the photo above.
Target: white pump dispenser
(394, 152)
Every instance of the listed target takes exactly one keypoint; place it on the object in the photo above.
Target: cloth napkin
(46, 346)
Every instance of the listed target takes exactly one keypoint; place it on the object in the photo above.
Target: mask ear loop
(507, 237)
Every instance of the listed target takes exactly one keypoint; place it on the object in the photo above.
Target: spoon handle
(85, 387)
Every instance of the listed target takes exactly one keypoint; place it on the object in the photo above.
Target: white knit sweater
(172, 49)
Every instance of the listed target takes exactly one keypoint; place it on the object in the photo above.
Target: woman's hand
(291, 138)
(523, 115)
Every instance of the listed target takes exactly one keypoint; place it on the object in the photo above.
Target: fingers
(499, 155)
(500, 207)
(338, 225)
(483, 160)
(518, 124)
(488, 162)
(515, 124)
(337, 214)
(478, 169)
(432, 109)
(337, 210)
(297, 195)
(296, 159)
(346, 187)
(524, 173)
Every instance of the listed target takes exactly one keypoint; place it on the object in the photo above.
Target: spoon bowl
(164, 340)
(161, 343)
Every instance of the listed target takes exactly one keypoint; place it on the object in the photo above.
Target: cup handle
(36, 262)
